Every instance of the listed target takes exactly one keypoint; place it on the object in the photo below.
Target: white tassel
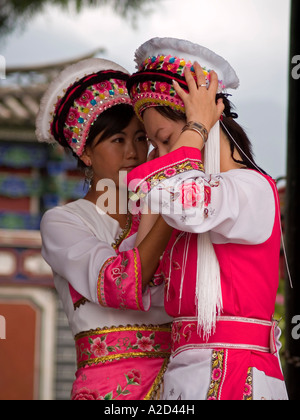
(208, 288)
(209, 302)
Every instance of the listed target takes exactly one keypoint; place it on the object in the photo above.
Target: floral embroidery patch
(164, 174)
(248, 389)
(216, 375)
(133, 378)
(97, 350)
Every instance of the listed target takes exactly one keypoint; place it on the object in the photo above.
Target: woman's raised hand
(200, 102)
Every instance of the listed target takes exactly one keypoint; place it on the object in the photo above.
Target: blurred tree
(17, 12)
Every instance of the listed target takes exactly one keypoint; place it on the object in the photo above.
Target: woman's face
(162, 132)
(123, 151)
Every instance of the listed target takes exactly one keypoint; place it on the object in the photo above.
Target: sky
(253, 35)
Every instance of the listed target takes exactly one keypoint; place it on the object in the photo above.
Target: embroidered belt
(231, 333)
(108, 344)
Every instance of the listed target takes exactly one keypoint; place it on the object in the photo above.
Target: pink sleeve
(120, 283)
(165, 166)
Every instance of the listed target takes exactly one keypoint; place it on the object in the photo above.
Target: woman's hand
(200, 102)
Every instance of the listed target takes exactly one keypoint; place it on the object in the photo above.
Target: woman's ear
(86, 158)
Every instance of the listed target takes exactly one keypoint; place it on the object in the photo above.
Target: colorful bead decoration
(152, 84)
(85, 110)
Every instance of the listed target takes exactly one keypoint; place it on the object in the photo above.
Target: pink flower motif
(103, 86)
(170, 66)
(120, 83)
(145, 187)
(176, 335)
(194, 165)
(207, 196)
(134, 377)
(163, 87)
(85, 98)
(190, 194)
(145, 344)
(68, 134)
(116, 273)
(145, 86)
(99, 348)
(73, 116)
(87, 395)
(216, 374)
(170, 172)
(247, 390)
(212, 399)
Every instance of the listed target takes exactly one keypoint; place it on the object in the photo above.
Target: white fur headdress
(82, 106)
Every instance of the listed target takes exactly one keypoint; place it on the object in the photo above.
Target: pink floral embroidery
(247, 390)
(145, 86)
(207, 196)
(145, 344)
(68, 134)
(190, 194)
(99, 348)
(103, 86)
(85, 98)
(72, 117)
(176, 332)
(170, 172)
(145, 187)
(163, 87)
(87, 395)
(195, 166)
(216, 374)
(134, 377)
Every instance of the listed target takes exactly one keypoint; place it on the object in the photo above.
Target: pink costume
(123, 347)
(240, 209)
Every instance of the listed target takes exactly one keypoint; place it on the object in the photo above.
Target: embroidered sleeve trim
(146, 185)
(100, 287)
(137, 280)
(120, 282)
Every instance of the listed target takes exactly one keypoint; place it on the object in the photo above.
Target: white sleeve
(92, 267)
(73, 252)
(236, 206)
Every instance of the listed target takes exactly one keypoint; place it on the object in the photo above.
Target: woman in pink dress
(221, 266)
(121, 330)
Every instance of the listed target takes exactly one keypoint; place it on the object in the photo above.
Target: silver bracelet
(198, 128)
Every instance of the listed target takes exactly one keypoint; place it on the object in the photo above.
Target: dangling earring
(89, 175)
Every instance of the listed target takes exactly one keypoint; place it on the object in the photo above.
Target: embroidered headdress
(159, 61)
(76, 98)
